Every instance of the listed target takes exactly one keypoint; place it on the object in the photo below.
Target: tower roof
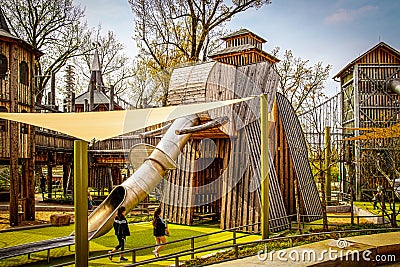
(6, 34)
(390, 50)
(242, 32)
(96, 62)
(243, 49)
(3, 22)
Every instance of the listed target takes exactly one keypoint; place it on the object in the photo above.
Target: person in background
(121, 231)
(43, 185)
(90, 201)
(160, 231)
(378, 196)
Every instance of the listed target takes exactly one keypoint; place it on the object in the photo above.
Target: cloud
(347, 15)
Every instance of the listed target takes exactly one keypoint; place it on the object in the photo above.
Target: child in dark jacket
(160, 231)
(121, 231)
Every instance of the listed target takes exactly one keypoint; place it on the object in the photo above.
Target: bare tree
(51, 26)
(116, 67)
(300, 83)
(143, 88)
(382, 160)
(172, 32)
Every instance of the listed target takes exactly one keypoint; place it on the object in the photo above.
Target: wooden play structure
(241, 69)
(17, 61)
(370, 99)
(218, 173)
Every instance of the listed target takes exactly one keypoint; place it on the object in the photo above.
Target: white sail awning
(103, 125)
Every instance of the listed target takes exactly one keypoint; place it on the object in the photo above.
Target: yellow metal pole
(81, 203)
(264, 167)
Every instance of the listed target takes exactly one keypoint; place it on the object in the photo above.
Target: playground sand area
(42, 217)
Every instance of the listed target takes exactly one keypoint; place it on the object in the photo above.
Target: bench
(29, 248)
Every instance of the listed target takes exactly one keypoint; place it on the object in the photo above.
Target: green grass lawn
(141, 235)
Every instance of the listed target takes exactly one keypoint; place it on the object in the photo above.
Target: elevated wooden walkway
(29, 248)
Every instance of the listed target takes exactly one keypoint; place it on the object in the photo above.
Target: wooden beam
(212, 124)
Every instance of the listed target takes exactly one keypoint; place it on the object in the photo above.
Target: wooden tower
(219, 169)
(17, 62)
(95, 99)
(368, 102)
(107, 158)
(242, 48)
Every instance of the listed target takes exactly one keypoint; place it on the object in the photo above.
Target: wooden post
(357, 145)
(264, 167)
(192, 247)
(134, 256)
(50, 176)
(30, 212)
(14, 134)
(81, 203)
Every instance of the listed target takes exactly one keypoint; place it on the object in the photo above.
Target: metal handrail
(236, 246)
(134, 250)
(192, 251)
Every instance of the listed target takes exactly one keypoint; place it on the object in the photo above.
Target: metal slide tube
(132, 191)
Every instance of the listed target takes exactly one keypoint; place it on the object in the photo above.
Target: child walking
(121, 231)
(160, 231)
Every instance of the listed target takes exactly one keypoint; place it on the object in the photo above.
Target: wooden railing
(50, 139)
(220, 245)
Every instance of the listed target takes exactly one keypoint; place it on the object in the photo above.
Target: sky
(333, 32)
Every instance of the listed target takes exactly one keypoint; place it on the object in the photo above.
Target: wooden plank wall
(105, 176)
(51, 140)
(23, 95)
(241, 58)
(187, 189)
(239, 205)
(4, 89)
(5, 143)
(380, 55)
(278, 215)
(378, 107)
(188, 84)
(228, 82)
(299, 154)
